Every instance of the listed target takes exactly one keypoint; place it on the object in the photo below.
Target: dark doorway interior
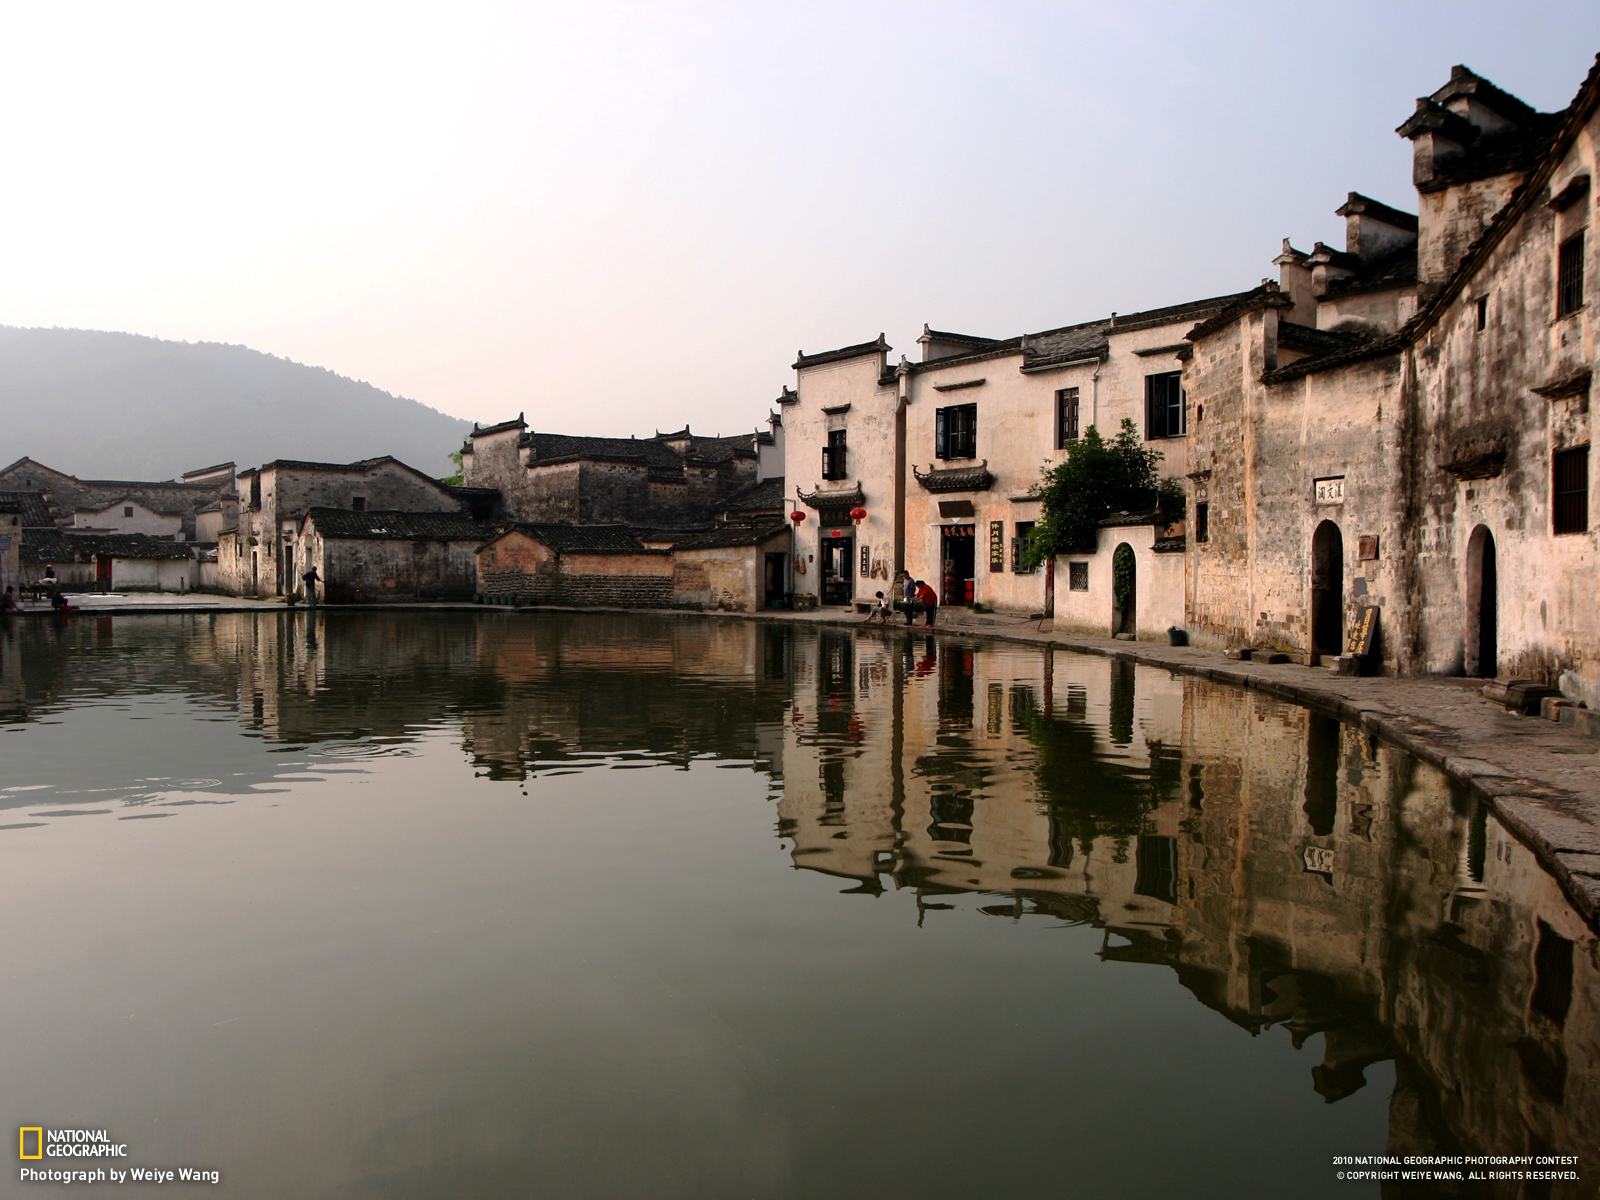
(960, 563)
(1124, 591)
(838, 580)
(1483, 606)
(1327, 590)
(773, 589)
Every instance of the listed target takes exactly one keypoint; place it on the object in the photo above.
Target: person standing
(908, 591)
(311, 579)
(930, 600)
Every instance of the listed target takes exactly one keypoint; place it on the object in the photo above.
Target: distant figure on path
(8, 602)
(311, 579)
(930, 598)
(880, 610)
(58, 601)
(908, 590)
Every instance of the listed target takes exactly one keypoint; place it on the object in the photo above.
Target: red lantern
(858, 515)
(797, 516)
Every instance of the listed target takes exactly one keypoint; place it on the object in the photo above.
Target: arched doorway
(1124, 592)
(1483, 606)
(1327, 590)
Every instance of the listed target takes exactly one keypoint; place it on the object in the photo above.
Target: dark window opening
(1483, 313)
(1552, 975)
(956, 432)
(127, 510)
(1163, 406)
(1157, 863)
(1202, 522)
(358, 504)
(833, 455)
(1066, 417)
(1078, 576)
(1570, 472)
(1019, 548)
(1569, 276)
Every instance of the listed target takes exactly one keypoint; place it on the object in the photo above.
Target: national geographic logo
(34, 1141)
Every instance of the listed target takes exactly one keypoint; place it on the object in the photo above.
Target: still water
(537, 905)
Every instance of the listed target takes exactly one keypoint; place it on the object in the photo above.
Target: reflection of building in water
(1291, 871)
(578, 688)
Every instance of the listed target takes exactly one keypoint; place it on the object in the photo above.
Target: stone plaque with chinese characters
(1330, 491)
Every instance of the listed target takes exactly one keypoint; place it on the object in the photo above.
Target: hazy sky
(620, 217)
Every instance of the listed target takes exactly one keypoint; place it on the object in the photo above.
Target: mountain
(120, 406)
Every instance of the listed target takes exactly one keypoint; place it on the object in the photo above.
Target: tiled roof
(854, 498)
(974, 478)
(768, 495)
(485, 430)
(1392, 270)
(378, 524)
(732, 535)
(859, 350)
(1322, 341)
(584, 539)
(59, 545)
(34, 507)
(561, 447)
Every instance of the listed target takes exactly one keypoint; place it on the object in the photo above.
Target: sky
(622, 217)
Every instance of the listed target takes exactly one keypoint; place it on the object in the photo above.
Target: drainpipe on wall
(903, 378)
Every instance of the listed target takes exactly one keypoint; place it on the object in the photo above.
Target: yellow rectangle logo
(38, 1142)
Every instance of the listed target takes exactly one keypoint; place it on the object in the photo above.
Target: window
(1569, 276)
(956, 433)
(1078, 576)
(1163, 405)
(1202, 522)
(1483, 313)
(127, 510)
(833, 455)
(1570, 474)
(1156, 868)
(1019, 548)
(255, 491)
(358, 504)
(1066, 417)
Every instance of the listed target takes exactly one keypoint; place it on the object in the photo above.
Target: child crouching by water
(880, 610)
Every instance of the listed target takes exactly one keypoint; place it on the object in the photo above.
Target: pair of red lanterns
(857, 515)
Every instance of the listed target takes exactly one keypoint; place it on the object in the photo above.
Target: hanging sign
(1365, 633)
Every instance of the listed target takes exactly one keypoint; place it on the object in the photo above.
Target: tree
(455, 479)
(1097, 479)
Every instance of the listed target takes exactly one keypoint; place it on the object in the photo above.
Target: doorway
(1483, 606)
(102, 572)
(1124, 592)
(959, 555)
(1327, 590)
(773, 584)
(255, 572)
(838, 580)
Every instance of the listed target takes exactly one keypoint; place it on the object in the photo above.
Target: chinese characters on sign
(1330, 491)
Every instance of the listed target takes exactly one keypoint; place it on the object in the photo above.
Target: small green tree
(460, 473)
(1098, 478)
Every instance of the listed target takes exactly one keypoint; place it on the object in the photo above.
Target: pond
(513, 904)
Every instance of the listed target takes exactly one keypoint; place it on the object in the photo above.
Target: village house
(106, 562)
(165, 508)
(367, 557)
(737, 568)
(674, 480)
(942, 458)
(10, 542)
(1404, 426)
(259, 556)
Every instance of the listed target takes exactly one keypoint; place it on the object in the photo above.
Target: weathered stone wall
(495, 461)
(142, 519)
(1476, 398)
(608, 492)
(728, 578)
(10, 548)
(517, 569)
(1275, 463)
(372, 570)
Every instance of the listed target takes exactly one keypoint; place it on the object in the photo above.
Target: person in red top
(930, 600)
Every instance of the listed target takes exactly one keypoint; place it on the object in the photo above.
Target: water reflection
(1287, 870)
